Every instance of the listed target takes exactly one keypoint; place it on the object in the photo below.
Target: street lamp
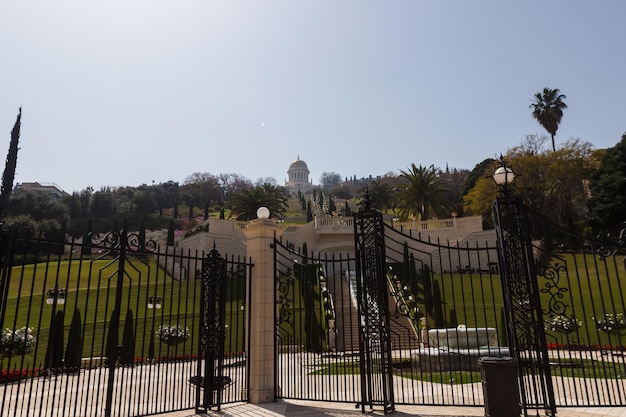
(154, 302)
(504, 176)
(263, 213)
(56, 294)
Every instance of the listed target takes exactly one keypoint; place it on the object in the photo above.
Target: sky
(121, 93)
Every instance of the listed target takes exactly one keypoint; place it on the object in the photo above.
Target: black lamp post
(520, 292)
(56, 295)
(154, 302)
(504, 176)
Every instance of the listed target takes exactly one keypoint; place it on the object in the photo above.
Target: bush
(172, 334)
(17, 342)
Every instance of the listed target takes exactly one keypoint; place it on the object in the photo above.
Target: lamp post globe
(504, 176)
(263, 213)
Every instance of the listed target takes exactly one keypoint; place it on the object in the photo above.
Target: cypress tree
(128, 340)
(452, 320)
(74, 350)
(438, 317)
(309, 213)
(502, 333)
(413, 276)
(428, 291)
(11, 163)
(142, 236)
(112, 338)
(54, 350)
(86, 240)
(305, 254)
(170, 234)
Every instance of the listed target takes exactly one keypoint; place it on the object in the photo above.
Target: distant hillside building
(48, 188)
(298, 177)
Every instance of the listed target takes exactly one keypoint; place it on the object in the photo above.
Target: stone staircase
(403, 335)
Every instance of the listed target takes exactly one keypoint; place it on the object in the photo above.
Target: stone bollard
(499, 377)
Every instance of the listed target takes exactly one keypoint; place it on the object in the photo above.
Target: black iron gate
(110, 326)
(448, 304)
(223, 346)
(372, 294)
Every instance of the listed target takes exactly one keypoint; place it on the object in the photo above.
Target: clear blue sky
(127, 92)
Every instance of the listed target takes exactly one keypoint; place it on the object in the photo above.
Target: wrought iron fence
(108, 326)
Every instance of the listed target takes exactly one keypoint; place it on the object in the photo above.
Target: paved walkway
(294, 408)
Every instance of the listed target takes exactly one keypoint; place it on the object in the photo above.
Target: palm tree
(245, 203)
(421, 192)
(548, 110)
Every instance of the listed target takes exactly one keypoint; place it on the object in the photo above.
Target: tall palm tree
(421, 192)
(548, 110)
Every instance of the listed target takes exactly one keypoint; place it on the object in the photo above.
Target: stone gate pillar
(261, 360)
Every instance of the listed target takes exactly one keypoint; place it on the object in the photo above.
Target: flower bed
(11, 375)
(172, 334)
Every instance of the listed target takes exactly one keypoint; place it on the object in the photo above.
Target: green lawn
(91, 287)
(583, 286)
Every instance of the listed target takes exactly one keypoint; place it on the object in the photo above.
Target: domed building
(298, 173)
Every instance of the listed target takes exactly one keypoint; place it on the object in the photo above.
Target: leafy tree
(205, 190)
(38, 205)
(23, 224)
(453, 180)
(166, 195)
(245, 203)
(608, 191)
(329, 180)
(479, 200)
(551, 183)
(232, 183)
(102, 203)
(341, 191)
(72, 202)
(85, 200)
(49, 229)
(482, 169)
(421, 193)
(144, 202)
(11, 164)
(266, 180)
(548, 110)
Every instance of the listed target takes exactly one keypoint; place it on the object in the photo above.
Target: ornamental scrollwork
(556, 292)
